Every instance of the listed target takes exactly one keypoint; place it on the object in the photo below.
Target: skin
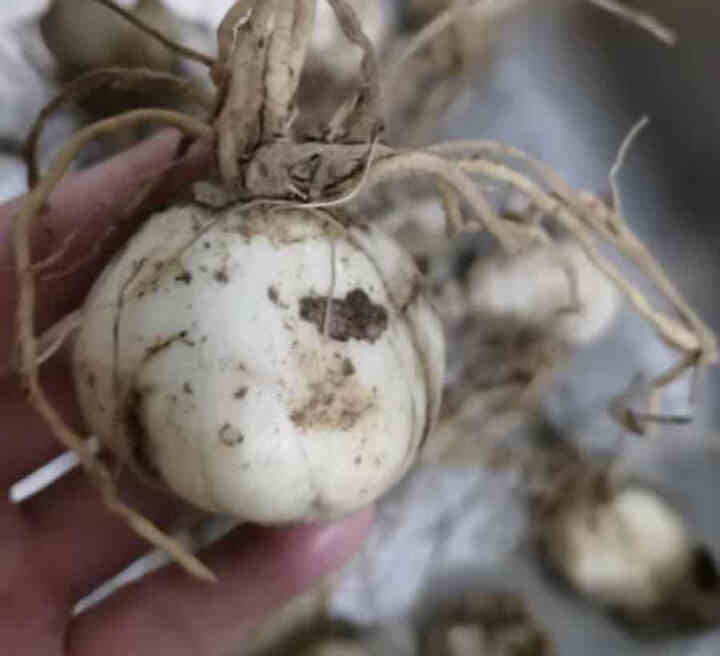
(61, 543)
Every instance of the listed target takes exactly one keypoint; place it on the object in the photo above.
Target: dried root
(29, 355)
(559, 212)
(590, 221)
(260, 159)
(122, 79)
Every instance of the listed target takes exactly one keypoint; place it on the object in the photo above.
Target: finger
(27, 441)
(87, 206)
(257, 569)
(85, 541)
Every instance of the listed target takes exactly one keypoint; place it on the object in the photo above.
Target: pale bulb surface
(553, 286)
(207, 357)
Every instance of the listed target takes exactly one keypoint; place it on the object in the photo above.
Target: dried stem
(286, 57)
(171, 45)
(27, 343)
(239, 121)
(227, 34)
(366, 122)
(120, 79)
(262, 48)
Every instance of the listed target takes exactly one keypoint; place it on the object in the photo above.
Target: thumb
(258, 569)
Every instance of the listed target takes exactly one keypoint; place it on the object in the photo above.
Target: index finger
(99, 209)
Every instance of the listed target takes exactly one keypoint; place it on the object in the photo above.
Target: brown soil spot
(354, 317)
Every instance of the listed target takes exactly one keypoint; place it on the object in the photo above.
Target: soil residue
(354, 317)
(334, 402)
(230, 436)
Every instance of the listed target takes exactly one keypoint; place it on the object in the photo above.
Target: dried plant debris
(266, 167)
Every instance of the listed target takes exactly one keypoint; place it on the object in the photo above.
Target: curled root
(121, 79)
(29, 356)
(286, 57)
(419, 162)
(241, 80)
(365, 121)
(586, 219)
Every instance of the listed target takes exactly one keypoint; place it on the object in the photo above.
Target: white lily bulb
(210, 357)
(628, 553)
(554, 286)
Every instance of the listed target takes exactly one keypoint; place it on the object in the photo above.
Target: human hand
(60, 544)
